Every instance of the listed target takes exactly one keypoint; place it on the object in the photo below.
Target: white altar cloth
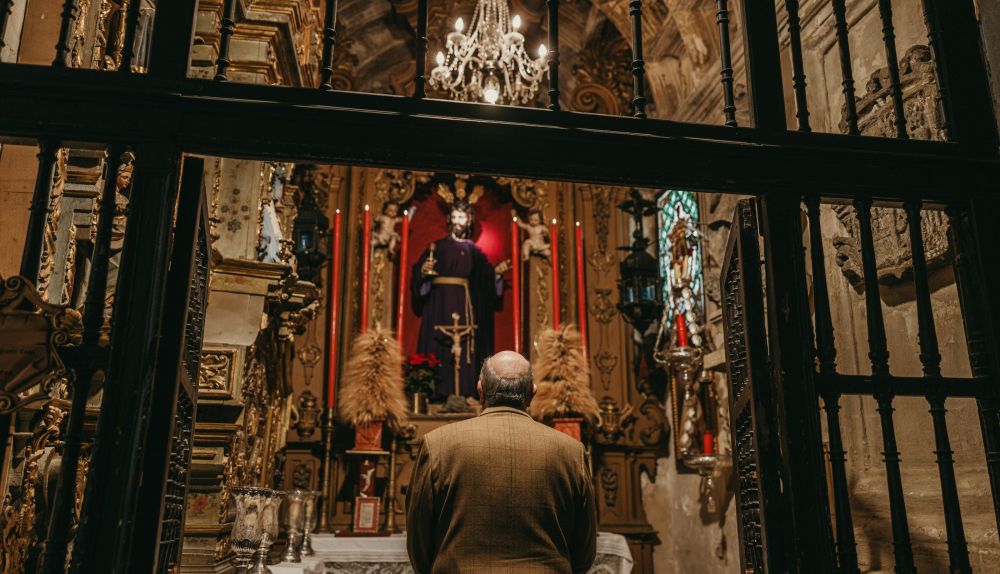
(344, 555)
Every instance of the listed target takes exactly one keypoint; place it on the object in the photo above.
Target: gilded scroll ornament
(604, 83)
(605, 363)
(609, 486)
(215, 368)
(603, 309)
(31, 331)
(18, 535)
(47, 263)
(601, 258)
(528, 193)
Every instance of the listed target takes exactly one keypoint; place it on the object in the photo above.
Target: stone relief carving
(918, 81)
(893, 256)
(890, 230)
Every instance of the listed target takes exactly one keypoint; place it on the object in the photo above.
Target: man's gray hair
(505, 391)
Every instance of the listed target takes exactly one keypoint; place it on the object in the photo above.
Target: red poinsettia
(421, 375)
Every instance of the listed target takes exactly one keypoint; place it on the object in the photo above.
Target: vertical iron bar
(39, 211)
(878, 352)
(725, 51)
(226, 28)
(553, 55)
(173, 32)
(826, 354)
(638, 66)
(963, 82)
(763, 66)
(106, 533)
(826, 351)
(330, 43)
(68, 19)
(6, 9)
(420, 78)
(892, 61)
(798, 68)
(57, 539)
(808, 530)
(930, 358)
(843, 42)
(974, 295)
(128, 44)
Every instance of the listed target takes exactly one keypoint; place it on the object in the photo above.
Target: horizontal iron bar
(266, 122)
(868, 385)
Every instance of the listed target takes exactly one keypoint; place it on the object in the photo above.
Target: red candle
(366, 263)
(554, 238)
(515, 279)
(581, 290)
(682, 332)
(707, 443)
(403, 268)
(333, 289)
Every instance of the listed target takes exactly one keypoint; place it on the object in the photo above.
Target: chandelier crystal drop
(489, 63)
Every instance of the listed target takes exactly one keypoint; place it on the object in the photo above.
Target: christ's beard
(459, 231)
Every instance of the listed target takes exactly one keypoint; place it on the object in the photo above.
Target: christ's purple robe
(435, 303)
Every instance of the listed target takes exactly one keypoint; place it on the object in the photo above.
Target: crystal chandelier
(489, 63)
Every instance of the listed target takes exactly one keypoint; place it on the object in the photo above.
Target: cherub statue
(538, 235)
(385, 236)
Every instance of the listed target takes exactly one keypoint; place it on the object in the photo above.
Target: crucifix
(455, 332)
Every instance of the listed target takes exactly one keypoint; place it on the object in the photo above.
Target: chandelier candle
(489, 63)
(366, 263)
(554, 238)
(682, 332)
(404, 244)
(581, 290)
(334, 305)
(515, 279)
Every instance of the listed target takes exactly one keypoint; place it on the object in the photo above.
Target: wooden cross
(455, 332)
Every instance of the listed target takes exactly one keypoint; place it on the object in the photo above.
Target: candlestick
(554, 238)
(515, 279)
(403, 268)
(707, 443)
(682, 332)
(366, 254)
(333, 304)
(581, 290)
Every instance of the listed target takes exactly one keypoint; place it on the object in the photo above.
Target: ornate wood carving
(603, 73)
(18, 534)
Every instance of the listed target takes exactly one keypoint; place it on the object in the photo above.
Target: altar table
(387, 555)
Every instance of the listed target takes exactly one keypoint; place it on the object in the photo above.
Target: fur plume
(563, 377)
(373, 382)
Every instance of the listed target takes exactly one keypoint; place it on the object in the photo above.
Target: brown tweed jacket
(500, 493)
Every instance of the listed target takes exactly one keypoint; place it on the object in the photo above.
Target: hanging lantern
(312, 238)
(639, 284)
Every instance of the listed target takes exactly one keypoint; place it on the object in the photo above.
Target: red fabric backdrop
(492, 235)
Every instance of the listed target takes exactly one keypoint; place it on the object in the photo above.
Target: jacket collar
(501, 409)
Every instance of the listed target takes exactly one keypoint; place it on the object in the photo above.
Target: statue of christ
(453, 276)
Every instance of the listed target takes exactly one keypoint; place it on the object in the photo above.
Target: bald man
(501, 492)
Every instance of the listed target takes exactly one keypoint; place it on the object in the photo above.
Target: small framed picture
(366, 511)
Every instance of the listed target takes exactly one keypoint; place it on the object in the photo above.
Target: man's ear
(479, 388)
(534, 389)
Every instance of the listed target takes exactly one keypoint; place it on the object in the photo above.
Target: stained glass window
(681, 257)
